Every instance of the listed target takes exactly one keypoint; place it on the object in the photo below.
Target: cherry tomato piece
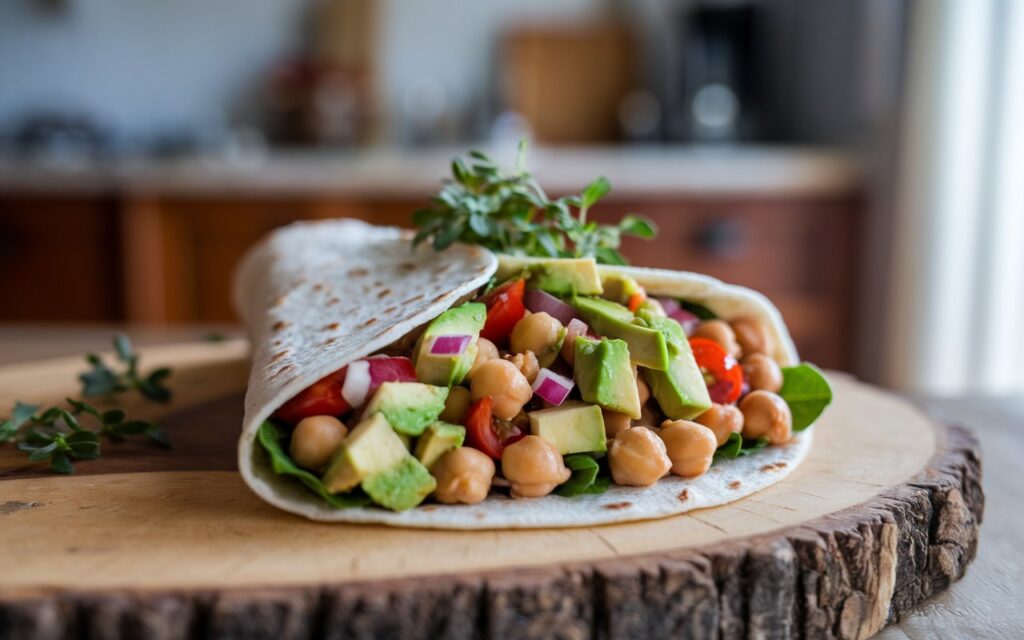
(479, 432)
(723, 374)
(504, 309)
(635, 301)
(322, 398)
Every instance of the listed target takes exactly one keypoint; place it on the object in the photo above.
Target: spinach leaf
(270, 438)
(698, 310)
(737, 447)
(586, 477)
(807, 392)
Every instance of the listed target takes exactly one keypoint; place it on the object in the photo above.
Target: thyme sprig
(101, 381)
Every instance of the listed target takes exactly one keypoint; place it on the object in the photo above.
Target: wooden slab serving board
(171, 544)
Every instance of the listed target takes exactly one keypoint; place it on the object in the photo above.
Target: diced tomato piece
(479, 432)
(504, 309)
(322, 398)
(636, 300)
(724, 376)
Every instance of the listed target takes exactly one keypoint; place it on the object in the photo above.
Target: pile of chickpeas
(639, 453)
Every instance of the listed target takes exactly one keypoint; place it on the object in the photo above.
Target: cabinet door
(59, 260)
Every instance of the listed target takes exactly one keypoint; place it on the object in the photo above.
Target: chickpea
(720, 332)
(534, 467)
(504, 382)
(456, 405)
(539, 333)
(642, 389)
(463, 476)
(753, 335)
(485, 350)
(315, 439)
(722, 419)
(614, 422)
(691, 446)
(762, 372)
(527, 364)
(573, 331)
(638, 457)
(765, 414)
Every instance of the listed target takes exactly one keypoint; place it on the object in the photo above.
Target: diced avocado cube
(409, 406)
(447, 370)
(372, 447)
(438, 439)
(401, 487)
(573, 427)
(646, 346)
(605, 376)
(619, 288)
(680, 391)
(560, 276)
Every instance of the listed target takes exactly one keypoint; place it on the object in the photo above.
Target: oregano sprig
(57, 434)
(510, 213)
(103, 381)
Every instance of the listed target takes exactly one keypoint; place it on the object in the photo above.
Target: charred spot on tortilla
(358, 273)
(615, 506)
(318, 286)
(735, 484)
(383, 293)
(773, 466)
(368, 322)
(329, 327)
(390, 310)
(279, 325)
(684, 495)
(277, 356)
(327, 342)
(332, 302)
(408, 266)
(284, 369)
(279, 300)
(418, 296)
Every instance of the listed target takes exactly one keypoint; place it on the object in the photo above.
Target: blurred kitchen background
(861, 162)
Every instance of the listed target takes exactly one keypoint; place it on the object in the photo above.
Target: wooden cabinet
(170, 259)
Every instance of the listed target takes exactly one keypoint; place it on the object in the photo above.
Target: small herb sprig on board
(60, 436)
(510, 213)
(101, 381)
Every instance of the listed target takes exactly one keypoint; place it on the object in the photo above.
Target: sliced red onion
(450, 345)
(364, 377)
(357, 383)
(688, 320)
(670, 305)
(551, 387)
(539, 301)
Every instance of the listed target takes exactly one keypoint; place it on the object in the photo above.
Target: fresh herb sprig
(103, 381)
(60, 436)
(510, 213)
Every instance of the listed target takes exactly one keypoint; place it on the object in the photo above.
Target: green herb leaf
(595, 191)
(636, 226)
(22, 413)
(807, 392)
(271, 439)
(586, 476)
(123, 348)
(698, 310)
(102, 381)
(737, 447)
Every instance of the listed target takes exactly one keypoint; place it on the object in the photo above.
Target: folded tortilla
(317, 296)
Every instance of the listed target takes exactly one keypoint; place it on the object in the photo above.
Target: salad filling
(554, 380)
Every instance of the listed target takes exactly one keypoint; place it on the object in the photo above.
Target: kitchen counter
(643, 171)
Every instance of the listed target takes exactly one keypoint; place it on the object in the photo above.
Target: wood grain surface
(145, 543)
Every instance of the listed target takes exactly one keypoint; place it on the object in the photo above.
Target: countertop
(635, 171)
(986, 603)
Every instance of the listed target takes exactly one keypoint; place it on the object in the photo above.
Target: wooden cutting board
(150, 543)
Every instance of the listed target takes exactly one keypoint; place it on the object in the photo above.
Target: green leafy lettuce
(586, 476)
(272, 439)
(737, 447)
(807, 392)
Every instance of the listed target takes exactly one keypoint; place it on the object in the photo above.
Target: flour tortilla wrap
(317, 296)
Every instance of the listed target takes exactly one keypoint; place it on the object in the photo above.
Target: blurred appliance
(719, 72)
(568, 82)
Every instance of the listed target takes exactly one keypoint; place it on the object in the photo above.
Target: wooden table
(986, 603)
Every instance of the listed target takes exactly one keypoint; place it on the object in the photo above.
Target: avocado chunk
(442, 370)
(372, 447)
(605, 376)
(619, 288)
(573, 427)
(646, 346)
(401, 487)
(438, 439)
(680, 390)
(560, 276)
(409, 406)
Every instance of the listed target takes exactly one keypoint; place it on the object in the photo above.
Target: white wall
(141, 65)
